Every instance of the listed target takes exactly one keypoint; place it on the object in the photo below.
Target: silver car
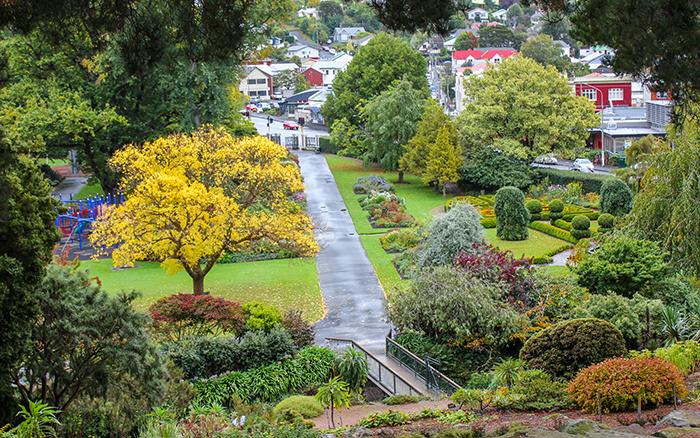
(583, 165)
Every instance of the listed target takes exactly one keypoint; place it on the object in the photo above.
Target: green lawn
(381, 261)
(89, 190)
(536, 245)
(287, 284)
(419, 197)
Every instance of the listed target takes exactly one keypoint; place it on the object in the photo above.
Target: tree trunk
(198, 285)
(444, 190)
(400, 177)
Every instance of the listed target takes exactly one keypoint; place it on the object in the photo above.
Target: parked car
(255, 99)
(582, 165)
(546, 159)
(264, 106)
(290, 125)
(251, 107)
(277, 96)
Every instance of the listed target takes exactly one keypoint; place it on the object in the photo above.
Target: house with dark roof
(290, 104)
(345, 34)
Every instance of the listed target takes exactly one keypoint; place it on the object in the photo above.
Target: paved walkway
(353, 297)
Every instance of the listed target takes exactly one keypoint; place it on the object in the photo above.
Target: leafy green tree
(334, 394)
(466, 41)
(623, 265)
(445, 159)
(514, 13)
(546, 52)
(450, 234)
(552, 120)
(615, 197)
(83, 341)
(348, 138)
(409, 16)
(489, 169)
(382, 61)
(415, 158)
(511, 214)
(331, 14)
(391, 121)
(27, 238)
(500, 36)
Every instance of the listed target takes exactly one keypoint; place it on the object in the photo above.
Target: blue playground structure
(81, 214)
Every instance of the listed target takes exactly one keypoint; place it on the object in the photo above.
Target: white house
(302, 52)
(259, 80)
(501, 15)
(344, 34)
(331, 67)
(307, 12)
(478, 12)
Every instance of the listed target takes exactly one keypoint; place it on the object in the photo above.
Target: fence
(379, 372)
(422, 369)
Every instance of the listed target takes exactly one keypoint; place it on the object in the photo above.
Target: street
(260, 122)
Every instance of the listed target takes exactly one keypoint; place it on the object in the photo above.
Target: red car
(290, 125)
(251, 107)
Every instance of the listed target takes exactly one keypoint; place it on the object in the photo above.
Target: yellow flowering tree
(191, 197)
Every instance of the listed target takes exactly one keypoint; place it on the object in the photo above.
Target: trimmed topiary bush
(307, 406)
(569, 346)
(511, 214)
(606, 222)
(620, 381)
(580, 227)
(615, 198)
(556, 208)
(535, 208)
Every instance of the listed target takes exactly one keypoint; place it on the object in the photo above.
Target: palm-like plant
(674, 326)
(352, 367)
(334, 394)
(38, 422)
(508, 372)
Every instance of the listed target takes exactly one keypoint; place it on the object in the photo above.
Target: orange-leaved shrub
(620, 381)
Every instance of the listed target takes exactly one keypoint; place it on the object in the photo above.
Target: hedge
(591, 182)
(561, 223)
(547, 257)
(553, 231)
(327, 145)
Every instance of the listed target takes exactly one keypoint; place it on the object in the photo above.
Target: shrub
(685, 355)
(569, 346)
(590, 182)
(535, 208)
(302, 332)
(307, 406)
(511, 214)
(555, 207)
(375, 199)
(180, 315)
(312, 366)
(606, 222)
(366, 184)
(623, 265)
(401, 239)
(580, 225)
(259, 348)
(203, 356)
(352, 367)
(620, 381)
(401, 399)
(382, 419)
(327, 146)
(615, 198)
(450, 234)
(390, 214)
(616, 310)
(553, 231)
(561, 223)
(536, 391)
(53, 177)
(261, 316)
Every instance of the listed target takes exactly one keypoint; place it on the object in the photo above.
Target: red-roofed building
(313, 76)
(461, 58)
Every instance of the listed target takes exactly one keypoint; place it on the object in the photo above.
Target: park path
(354, 299)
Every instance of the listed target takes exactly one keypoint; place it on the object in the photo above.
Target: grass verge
(89, 190)
(538, 244)
(287, 284)
(419, 198)
(381, 261)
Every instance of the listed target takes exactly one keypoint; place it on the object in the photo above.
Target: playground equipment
(81, 214)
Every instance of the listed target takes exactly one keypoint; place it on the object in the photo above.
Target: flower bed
(386, 210)
(367, 184)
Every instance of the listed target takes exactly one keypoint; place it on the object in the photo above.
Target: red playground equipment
(81, 214)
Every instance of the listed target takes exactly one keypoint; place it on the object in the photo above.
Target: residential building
(431, 46)
(501, 15)
(361, 42)
(313, 76)
(307, 12)
(331, 67)
(450, 43)
(302, 51)
(604, 90)
(311, 111)
(492, 55)
(259, 79)
(289, 105)
(345, 34)
(478, 12)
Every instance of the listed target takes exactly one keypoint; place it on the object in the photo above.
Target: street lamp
(602, 119)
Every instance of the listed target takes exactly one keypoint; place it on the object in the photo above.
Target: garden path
(354, 298)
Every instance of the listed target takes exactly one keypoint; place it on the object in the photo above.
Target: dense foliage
(580, 225)
(307, 406)
(490, 169)
(606, 222)
(623, 265)
(590, 182)
(621, 381)
(534, 207)
(616, 310)
(615, 197)
(569, 346)
(511, 214)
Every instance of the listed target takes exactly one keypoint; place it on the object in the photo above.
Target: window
(251, 81)
(262, 81)
(262, 93)
(590, 94)
(615, 94)
(662, 95)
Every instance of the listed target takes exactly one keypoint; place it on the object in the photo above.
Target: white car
(583, 165)
(546, 159)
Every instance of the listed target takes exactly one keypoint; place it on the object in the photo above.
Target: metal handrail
(380, 372)
(432, 377)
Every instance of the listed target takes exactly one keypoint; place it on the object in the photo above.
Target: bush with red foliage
(301, 331)
(181, 315)
(488, 263)
(621, 381)
(390, 214)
